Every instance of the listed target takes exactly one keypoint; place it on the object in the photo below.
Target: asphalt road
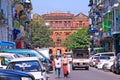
(91, 74)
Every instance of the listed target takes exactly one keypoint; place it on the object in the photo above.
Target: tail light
(98, 60)
(94, 60)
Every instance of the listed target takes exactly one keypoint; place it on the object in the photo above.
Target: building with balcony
(21, 19)
(63, 25)
(14, 22)
(104, 15)
(6, 20)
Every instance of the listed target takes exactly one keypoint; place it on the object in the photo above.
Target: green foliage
(40, 35)
(16, 2)
(80, 39)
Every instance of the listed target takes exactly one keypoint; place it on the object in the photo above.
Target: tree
(40, 35)
(80, 39)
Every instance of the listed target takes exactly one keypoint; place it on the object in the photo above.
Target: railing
(65, 28)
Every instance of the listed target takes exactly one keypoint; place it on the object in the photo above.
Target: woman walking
(65, 66)
(57, 67)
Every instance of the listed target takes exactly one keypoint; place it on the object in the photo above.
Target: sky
(49, 6)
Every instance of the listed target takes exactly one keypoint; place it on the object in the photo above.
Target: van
(31, 53)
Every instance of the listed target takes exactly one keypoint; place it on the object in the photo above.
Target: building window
(69, 23)
(80, 23)
(65, 23)
(56, 23)
(60, 23)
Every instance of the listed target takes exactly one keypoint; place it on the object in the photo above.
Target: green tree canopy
(80, 39)
(40, 35)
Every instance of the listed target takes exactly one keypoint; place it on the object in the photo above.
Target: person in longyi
(65, 63)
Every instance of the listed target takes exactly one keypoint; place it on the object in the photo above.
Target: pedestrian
(57, 61)
(65, 66)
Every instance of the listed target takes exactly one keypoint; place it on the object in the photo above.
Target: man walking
(57, 67)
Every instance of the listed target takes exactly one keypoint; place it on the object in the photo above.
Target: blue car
(32, 53)
(15, 75)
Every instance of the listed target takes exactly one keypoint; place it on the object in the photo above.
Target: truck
(80, 59)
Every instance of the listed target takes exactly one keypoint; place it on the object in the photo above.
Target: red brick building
(63, 25)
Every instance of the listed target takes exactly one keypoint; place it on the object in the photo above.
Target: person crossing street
(57, 67)
(65, 63)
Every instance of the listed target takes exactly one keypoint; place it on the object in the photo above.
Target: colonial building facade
(63, 25)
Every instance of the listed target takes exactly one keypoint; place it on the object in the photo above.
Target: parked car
(15, 75)
(45, 52)
(108, 66)
(5, 58)
(93, 60)
(110, 54)
(116, 64)
(69, 58)
(101, 61)
(32, 53)
(31, 65)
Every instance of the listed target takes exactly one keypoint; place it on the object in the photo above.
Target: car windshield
(96, 57)
(42, 57)
(81, 55)
(104, 57)
(28, 66)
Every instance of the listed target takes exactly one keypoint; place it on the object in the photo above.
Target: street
(92, 74)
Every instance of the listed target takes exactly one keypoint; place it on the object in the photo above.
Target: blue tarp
(3, 43)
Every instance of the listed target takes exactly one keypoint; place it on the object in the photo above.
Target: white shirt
(58, 63)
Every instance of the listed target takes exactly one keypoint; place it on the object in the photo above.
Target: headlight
(25, 78)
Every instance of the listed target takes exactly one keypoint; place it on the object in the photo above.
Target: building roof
(81, 15)
(58, 15)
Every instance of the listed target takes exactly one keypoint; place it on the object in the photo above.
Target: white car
(109, 64)
(102, 61)
(93, 60)
(5, 58)
(69, 58)
(31, 65)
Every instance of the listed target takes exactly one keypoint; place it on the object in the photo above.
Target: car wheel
(112, 69)
(104, 67)
(73, 68)
(117, 71)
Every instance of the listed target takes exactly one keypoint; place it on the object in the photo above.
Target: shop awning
(3, 43)
(98, 48)
(68, 52)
